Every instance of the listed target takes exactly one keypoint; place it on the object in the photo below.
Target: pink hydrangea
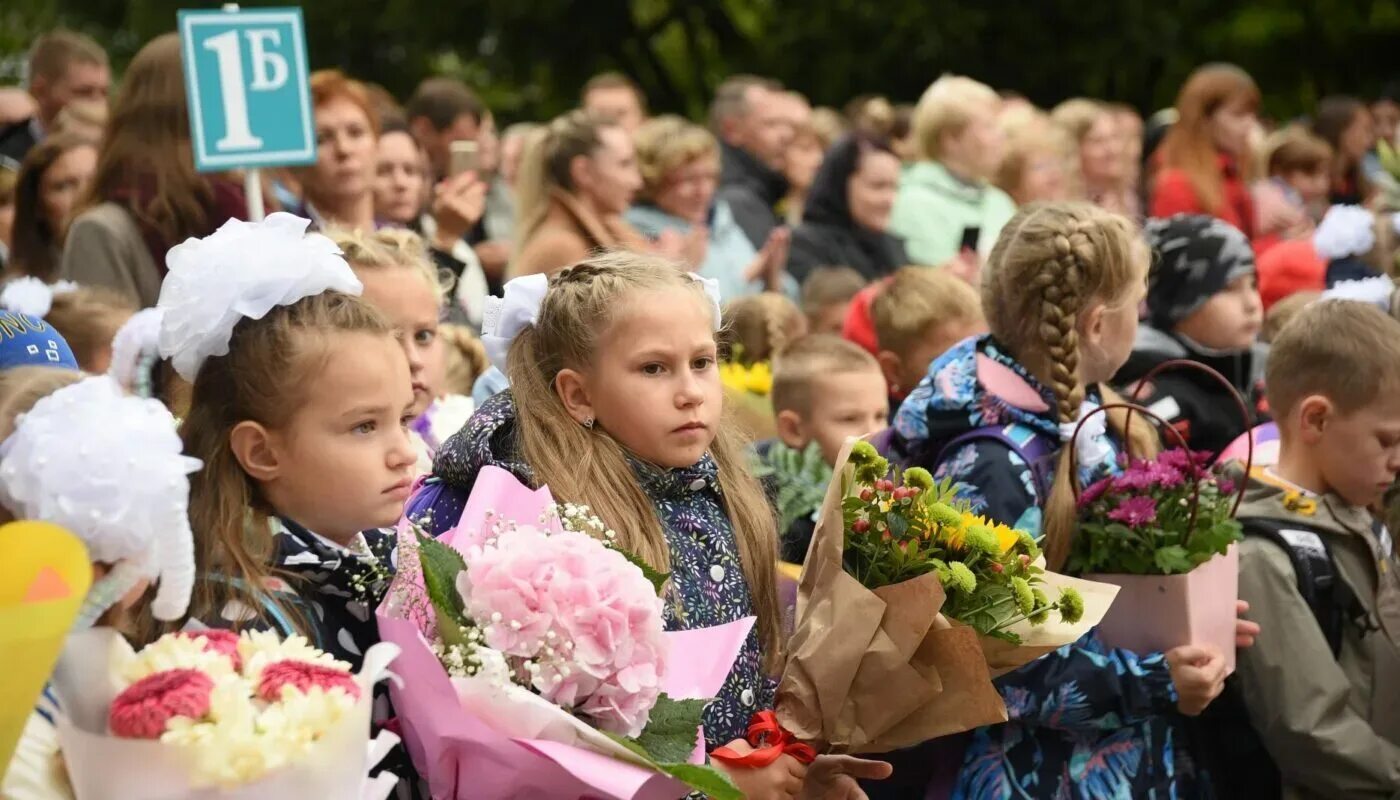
(582, 622)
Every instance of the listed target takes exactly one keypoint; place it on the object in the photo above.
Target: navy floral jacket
(1085, 721)
(707, 585)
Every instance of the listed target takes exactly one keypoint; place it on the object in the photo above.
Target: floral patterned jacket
(1085, 721)
(707, 585)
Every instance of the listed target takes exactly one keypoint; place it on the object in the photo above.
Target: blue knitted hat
(27, 341)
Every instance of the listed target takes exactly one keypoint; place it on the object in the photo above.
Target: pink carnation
(144, 709)
(217, 641)
(303, 675)
(582, 613)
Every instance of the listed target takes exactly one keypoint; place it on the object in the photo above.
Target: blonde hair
(1294, 149)
(392, 248)
(1077, 116)
(828, 285)
(758, 326)
(1030, 132)
(918, 298)
(262, 379)
(1283, 312)
(667, 143)
(1346, 351)
(1051, 262)
(585, 465)
(88, 318)
(544, 166)
(811, 357)
(466, 358)
(22, 387)
(945, 109)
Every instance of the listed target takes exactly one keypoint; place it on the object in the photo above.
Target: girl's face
(345, 150)
(1108, 329)
(412, 307)
(1101, 152)
(688, 190)
(653, 384)
(1359, 137)
(1230, 126)
(343, 462)
(400, 179)
(610, 177)
(63, 183)
(871, 189)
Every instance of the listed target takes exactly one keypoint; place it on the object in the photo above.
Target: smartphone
(463, 157)
(971, 235)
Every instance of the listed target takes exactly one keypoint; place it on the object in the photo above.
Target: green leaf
(441, 566)
(701, 777)
(899, 526)
(1172, 559)
(672, 732)
(657, 578)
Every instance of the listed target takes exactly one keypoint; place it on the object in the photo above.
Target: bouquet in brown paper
(908, 606)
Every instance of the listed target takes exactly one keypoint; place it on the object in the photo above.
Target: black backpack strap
(1331, 600)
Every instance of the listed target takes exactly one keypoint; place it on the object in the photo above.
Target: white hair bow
(505, 317)
(31, 296)
(1345, 231)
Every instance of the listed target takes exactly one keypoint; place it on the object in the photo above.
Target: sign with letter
(246, 81)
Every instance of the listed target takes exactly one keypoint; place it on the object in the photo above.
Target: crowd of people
(967, 275)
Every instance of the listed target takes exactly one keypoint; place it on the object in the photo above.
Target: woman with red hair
(1205, 157)
(339, 188)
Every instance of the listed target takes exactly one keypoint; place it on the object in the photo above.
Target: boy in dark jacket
(1322, 683)
(824, 390)
(1202, 306)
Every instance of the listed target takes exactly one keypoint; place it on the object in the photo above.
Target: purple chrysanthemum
(1094, 492)
(1135, 512)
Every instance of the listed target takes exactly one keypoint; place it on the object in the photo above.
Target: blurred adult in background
(54, 176)
(1093, 129)
(947, 195)
(813, 135)
(615, 96)
(1385, 111)
(848, 212)
(679, 163)
(1345, 123)
(1206, 163)
(512, 146)
(1039, 164)
(577, 178)
(902, 139)
(146, 195)
(86, 118)
(9, 177)
(63, 66)
(754, 133)
(339, 188)
(1130, 132)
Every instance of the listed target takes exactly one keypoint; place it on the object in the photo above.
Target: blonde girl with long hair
(996, 414)
(299, 410)
(615, 402)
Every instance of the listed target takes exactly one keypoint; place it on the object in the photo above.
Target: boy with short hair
(1202, 305)
(919, 315)
(825, 389)
(827, 295)
(1322, 683)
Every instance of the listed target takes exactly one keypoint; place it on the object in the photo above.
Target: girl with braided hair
(996, 414)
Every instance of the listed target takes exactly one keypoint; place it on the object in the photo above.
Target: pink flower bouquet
(535, 659)
(213, 714)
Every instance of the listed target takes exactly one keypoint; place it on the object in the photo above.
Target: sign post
(248, 91)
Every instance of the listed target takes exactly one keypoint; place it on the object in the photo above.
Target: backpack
(1223, 737)
(1038, 451)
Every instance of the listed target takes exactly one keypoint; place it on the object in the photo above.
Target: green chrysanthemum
(940, 567)
(1025, 599)
(863, 453)
(960, 578)
(944, 515)
(981, 539)
(1071, 605)
(1027, 544)
(1042, 607)
(918, 478)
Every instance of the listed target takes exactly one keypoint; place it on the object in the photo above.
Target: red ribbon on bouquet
(770, 741)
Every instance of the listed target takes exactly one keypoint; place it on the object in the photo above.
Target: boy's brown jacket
(1331, 724)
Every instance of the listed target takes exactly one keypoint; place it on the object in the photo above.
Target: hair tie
(1345, 231)
(506, 316)
(244, 269)
(31, 296)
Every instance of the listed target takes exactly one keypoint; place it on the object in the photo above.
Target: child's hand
(1199, 675)
(1245, 631)
(834, 777)
(781, 780)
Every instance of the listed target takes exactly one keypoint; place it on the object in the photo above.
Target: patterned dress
(707, 585)
(1086, 722)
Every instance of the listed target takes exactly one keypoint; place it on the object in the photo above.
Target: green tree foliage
(529, 58)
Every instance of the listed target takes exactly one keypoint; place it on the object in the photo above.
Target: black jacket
(17, 139)
(752, 189)
(828, 236)
(1191, 401)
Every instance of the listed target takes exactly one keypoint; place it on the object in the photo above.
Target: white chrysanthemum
(244, 269)
(175, 652)
(109, 468)
(258, 649)
(1345, 231)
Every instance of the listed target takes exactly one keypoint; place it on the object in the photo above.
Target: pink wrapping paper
(1159, 612)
